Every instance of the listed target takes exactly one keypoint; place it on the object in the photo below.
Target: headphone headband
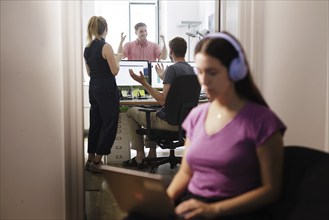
(238, 68)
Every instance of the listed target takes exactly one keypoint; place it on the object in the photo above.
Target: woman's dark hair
(225, 52)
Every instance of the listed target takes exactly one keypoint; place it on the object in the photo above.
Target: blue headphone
(238, 68)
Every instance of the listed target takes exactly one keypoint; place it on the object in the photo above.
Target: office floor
(99, 201)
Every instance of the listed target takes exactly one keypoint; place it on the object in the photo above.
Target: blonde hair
(96, 27)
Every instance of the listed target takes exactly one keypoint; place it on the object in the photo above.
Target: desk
(149, 101)
(139, 102)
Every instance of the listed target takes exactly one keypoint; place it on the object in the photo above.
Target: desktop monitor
(192, 63)
(123, 78)
(156, 82)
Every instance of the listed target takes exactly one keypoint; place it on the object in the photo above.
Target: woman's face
(213, 76)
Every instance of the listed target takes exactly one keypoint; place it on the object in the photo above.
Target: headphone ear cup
(238, 69)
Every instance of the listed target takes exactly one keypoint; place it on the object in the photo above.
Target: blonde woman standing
(102, 66)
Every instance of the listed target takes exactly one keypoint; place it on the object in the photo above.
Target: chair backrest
(183, 95)
(305, 187)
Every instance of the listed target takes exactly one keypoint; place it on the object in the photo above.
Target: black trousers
(104, 115)
(261, 214)
(257, 215)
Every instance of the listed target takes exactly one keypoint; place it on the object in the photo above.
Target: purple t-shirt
(225, 164)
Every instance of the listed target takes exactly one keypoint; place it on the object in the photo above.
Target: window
(148, 14)
(121, 16)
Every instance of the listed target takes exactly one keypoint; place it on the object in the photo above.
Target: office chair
(183, 95)
(305, 182)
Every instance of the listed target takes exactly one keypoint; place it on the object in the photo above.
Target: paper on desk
(142, 92)
(138, 93)
(124, 93)
(135, 92)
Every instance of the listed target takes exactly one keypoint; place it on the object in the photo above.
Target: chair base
(155, 162)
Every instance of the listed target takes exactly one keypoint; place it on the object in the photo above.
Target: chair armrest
(148, 118)
(147, 110)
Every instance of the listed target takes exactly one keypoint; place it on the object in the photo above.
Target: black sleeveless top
(99, 68)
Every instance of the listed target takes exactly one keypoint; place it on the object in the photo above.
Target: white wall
(296, 76)
(287, 43)
(39, 117)
(173, 12)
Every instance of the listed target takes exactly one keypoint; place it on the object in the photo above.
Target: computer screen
(192, 63)
(156, 81)
(123, 78)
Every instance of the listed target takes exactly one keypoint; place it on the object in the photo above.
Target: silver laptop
(139, 192)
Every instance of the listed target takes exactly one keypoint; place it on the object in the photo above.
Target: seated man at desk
(137, 119)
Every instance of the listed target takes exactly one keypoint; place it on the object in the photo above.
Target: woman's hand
(193, 208)
(118, 57)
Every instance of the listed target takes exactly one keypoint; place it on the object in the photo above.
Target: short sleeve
(169, 75)
(125, 50)
(157, 51)
(265, 125)
(187, 125)
(194, 120)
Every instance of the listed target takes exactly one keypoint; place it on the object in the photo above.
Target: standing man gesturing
(141, 48)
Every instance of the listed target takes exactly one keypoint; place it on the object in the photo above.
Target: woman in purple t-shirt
(232, 166)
